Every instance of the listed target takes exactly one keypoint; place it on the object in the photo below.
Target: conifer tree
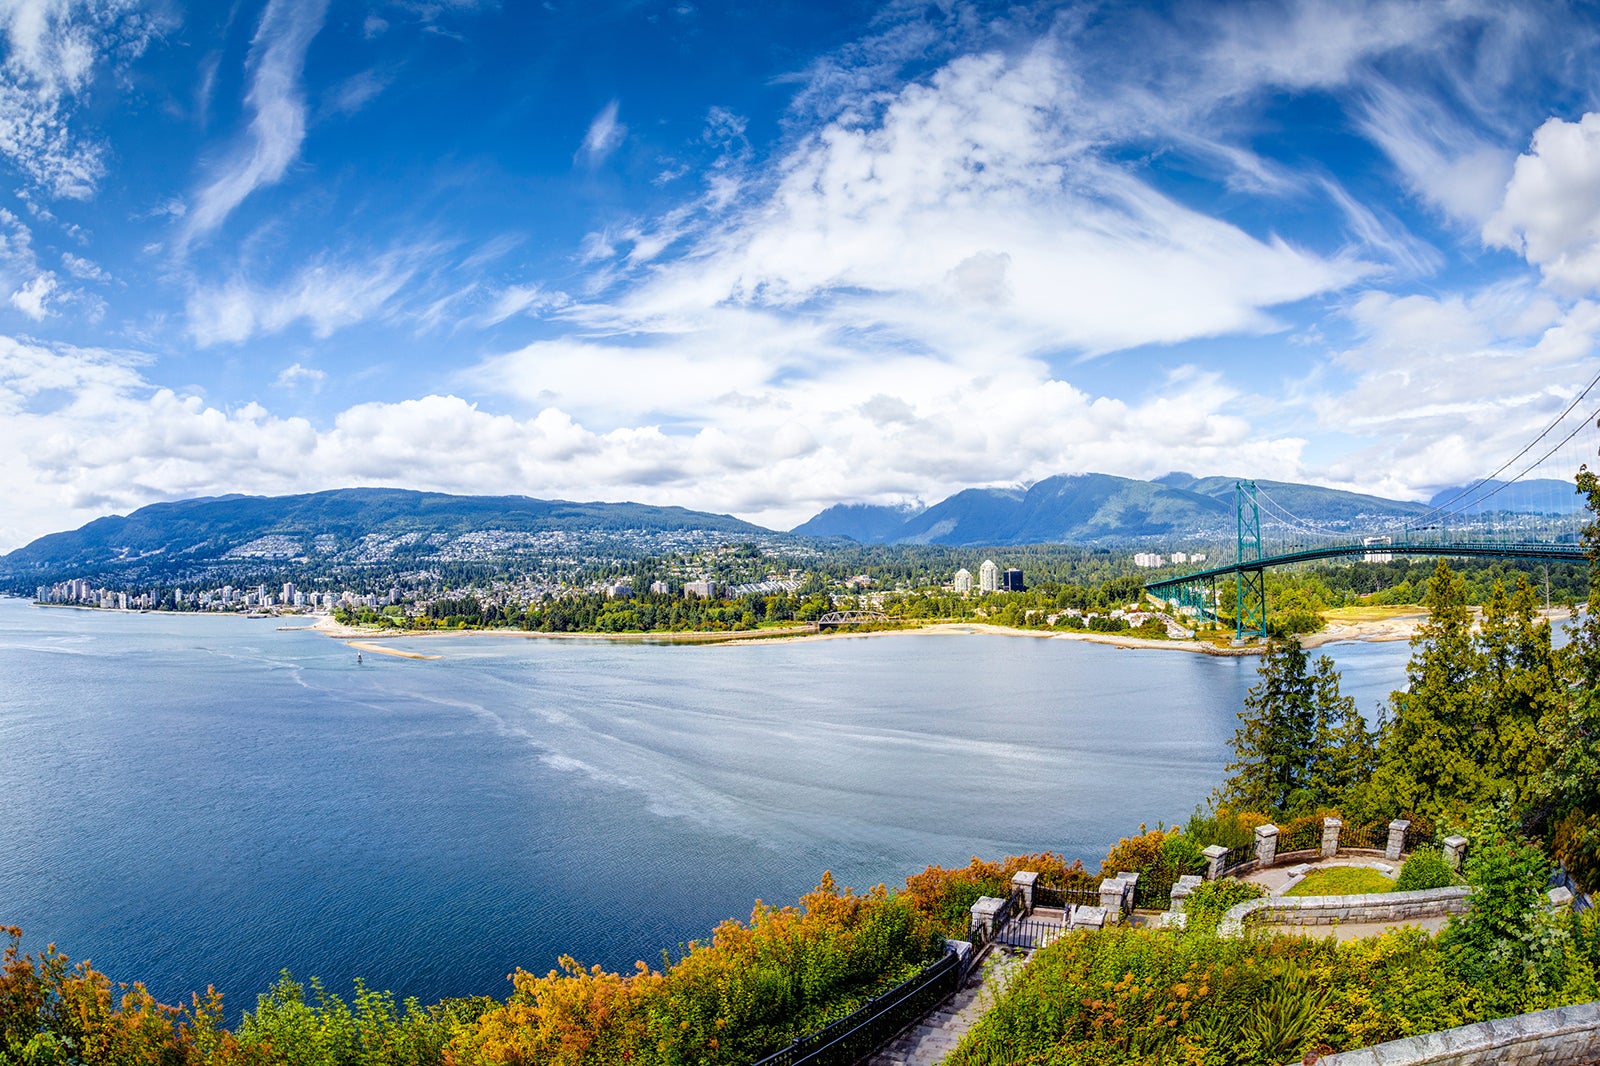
(1572, 728)
(1520, 686)
(1277, 728)
(1344, 752)
(1433, 746)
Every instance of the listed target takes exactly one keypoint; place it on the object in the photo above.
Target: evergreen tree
(1344, 753)
(1520, 686)
(1434, 744)
(1274, 743)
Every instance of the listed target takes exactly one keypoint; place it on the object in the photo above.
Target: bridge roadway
(1569, 553)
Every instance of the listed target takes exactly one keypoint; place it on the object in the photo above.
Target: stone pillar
(1330, 837)
(1397, 839)
(1180, 891)
(983, 913)
(1111, 890)
(1266, 844)
(1025, 880)
(1129, 879)
(1454, 848)
(1216, 855)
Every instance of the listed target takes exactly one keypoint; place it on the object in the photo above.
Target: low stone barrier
(1565, 1036)
(1328, 910)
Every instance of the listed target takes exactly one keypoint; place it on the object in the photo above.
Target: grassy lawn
(1372, 614)
(1342, 881)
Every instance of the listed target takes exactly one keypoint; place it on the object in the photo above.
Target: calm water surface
(192, 800)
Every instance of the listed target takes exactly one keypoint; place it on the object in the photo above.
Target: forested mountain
(358, 527)
(1099, 508)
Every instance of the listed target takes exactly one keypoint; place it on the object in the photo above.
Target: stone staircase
(930, 1040)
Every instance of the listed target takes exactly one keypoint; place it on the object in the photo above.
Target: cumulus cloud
(293, 374)
(278, 113)
(109, 439)
(605, 136)
(32, 299)
(1447, 388)
(1551, 211)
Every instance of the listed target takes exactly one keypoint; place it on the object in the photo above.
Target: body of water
(200, 800)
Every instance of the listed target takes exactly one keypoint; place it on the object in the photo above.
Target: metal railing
(1154, 892)
(856, 1036)
(1028, 932)
(1364, 836)
(1307, 837)
(1051, 896)
(1016, 905)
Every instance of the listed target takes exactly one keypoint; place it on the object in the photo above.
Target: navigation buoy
(358, 658)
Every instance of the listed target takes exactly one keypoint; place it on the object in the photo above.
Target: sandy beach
(1391, 628)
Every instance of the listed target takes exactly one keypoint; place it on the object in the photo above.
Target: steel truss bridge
(1252, 558)
(1528, 509)
(850, 618)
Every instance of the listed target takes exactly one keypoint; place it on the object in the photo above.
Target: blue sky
(760, 259)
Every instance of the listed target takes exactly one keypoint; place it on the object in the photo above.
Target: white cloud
(293, 374)
(605, 136)
(33, 297)
(82, 268)
(355, 92)
(53, 48)
(518, 300)
(278, 109)
(1448, 388)
(1551, 210)
(878, 225)
(105, 438)
(327, 295)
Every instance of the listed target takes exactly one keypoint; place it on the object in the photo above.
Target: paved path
(1276, 878)
(930, 1040)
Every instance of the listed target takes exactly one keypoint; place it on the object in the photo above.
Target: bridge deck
(1548, 552)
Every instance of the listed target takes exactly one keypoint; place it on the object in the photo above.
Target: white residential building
(963, 581)
(988, 576)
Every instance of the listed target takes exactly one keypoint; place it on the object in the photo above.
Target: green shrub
(1424, 869)
(1212, 899)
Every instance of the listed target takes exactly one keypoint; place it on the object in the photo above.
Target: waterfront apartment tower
(963, 582)
(988, 576)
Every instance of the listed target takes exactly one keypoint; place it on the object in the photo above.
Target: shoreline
(1400, 626)
(1383, 630)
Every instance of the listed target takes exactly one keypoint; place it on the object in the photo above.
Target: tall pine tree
(1433, 746)
(1300, 743)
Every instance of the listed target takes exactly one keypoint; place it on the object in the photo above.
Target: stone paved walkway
(929, 1041)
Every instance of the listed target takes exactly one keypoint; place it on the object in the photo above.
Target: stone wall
(1327, 910)
(1566, 1036)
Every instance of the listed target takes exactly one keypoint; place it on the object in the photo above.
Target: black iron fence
(1307, 837)
(1015, 906)
(1374, 836)
(1028, 933)
(1154, 891)
(852, 1038)
(1421, 835)
(1051, 896)
(1238, 856)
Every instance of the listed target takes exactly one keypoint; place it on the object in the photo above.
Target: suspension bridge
(1528, 509)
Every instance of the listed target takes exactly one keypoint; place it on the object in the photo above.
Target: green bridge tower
(1250, 618)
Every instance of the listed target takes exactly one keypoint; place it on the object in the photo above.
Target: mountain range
(395, 527)
(1101, 508)
(355, 527)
